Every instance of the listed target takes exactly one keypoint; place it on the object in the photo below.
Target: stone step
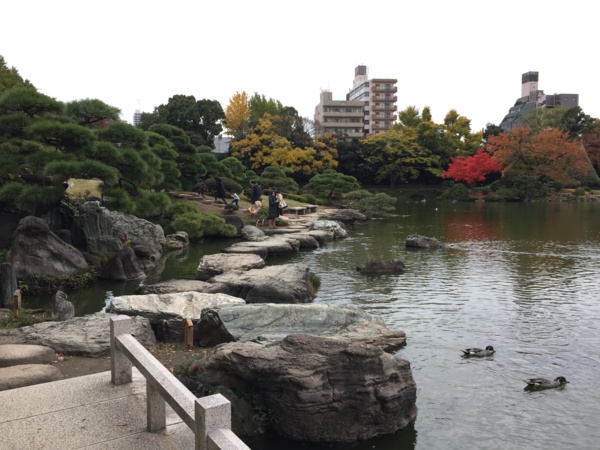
(27, 375)
(25, 364)
(17, 354)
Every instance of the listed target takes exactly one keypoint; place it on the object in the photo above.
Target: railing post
(156, 412)
(211, 413)
(120, 366)
(17, 302)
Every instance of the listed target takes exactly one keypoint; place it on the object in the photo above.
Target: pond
(523, 277)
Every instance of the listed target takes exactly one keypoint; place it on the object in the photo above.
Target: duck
(543, 383)
(479, 352)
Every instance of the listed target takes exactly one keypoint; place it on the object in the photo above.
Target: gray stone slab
(26, 375)
(15, 354)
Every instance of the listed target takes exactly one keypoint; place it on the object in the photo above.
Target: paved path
(85, 412)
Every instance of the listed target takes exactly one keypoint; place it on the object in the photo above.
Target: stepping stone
(27, 375)
(16, 354)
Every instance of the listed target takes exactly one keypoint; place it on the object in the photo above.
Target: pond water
(524, 278)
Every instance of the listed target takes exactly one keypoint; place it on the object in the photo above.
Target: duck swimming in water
(479, 352)
(543, 383)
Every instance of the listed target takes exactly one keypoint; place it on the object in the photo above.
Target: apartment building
(379, 98)
(533, 98)
(341, 117)
(370, 107)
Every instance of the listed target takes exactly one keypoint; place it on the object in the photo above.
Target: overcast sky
(466, 55)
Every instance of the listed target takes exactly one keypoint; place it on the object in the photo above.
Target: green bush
(375, 205)
(457, 192)
(579, 192)
(508, 194)
(198, 225)
(178, 208)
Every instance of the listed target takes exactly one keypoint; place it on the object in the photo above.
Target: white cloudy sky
(466, 55)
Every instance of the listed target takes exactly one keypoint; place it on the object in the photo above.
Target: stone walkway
(85, 412)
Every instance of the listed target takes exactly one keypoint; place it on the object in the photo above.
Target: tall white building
(379, 98)
(137, 117)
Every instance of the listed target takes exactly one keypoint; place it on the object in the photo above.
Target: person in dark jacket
(220, 190)
(256, 192)
(273, 209)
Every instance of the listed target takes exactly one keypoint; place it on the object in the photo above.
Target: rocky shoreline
(249, 315)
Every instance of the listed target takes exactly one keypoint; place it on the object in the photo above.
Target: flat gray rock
(167, 312)
(269, 324)
(86, 335)
(173, 286)
(284, 283)
(17, 354)
(273, 245)
(27, 375)
(211, 265)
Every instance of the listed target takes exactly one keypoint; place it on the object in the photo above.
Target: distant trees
(396, 157)
(200, 119)
(10, 78)
(237, 115)
(547, 155)
(263, 147)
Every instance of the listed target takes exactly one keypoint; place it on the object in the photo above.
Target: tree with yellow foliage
(263, 147)
(237, 115)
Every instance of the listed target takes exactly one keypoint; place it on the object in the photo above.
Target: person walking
(236, 199)
(220, 189)
(281, 204)
(201, 188)
(256, 192)
(273, 209)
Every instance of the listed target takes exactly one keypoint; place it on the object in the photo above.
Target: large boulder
(382, 266)
(141, 233)
(122, 266)
(321, 390)
(330, 225)
(37, 251)
(418, 241)
(346, 216)
(62, 308)
(177, 241)
(87, 335)
(211, 265)
(93, 231)
(272, 245)
(285, 283)
(173, 286)
(104, 232)
(268, 324)
(166, 312)
(252, 233)
(304, 240)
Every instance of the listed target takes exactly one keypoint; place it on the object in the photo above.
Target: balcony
(383, 98)
(382, 88)
(383, 126)
(384, 107)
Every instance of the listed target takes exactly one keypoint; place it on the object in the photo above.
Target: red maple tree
(471, 169)
(546, 155)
